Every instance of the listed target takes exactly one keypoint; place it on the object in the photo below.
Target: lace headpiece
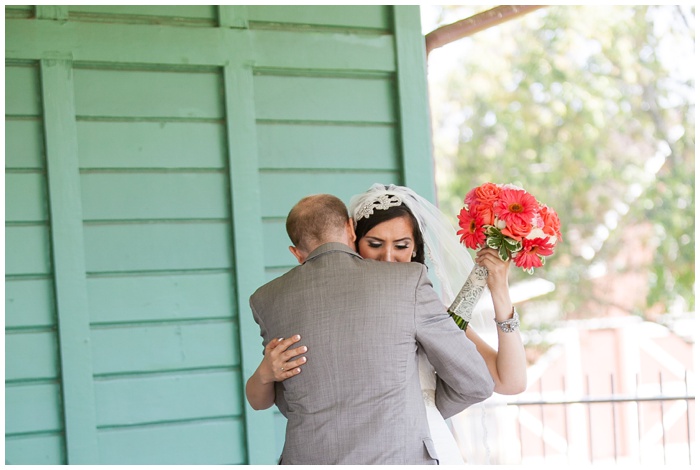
(381, 202)
(449, 259)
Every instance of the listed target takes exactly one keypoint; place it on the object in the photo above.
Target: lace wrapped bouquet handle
(463, 305)
(508, 219)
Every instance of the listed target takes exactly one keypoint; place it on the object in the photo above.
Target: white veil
(449, 260)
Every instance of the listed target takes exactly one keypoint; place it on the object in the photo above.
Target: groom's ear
(351, 231)
(298, 254)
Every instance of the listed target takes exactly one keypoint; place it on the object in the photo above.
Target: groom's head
(318, 219)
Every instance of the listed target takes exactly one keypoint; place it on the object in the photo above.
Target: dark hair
(364, 225)
(315, 220)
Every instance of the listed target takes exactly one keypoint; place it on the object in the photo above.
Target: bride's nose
(388, 255)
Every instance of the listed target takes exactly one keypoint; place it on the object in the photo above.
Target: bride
(394, 224)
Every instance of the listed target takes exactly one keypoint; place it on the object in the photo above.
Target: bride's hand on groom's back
(281, 362)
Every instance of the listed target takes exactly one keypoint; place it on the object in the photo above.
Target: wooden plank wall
(152, 154)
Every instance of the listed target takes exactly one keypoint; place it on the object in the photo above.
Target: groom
(358, 399)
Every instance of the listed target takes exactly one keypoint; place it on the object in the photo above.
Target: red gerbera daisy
(472, 228)
(532, 253)
(515, 204)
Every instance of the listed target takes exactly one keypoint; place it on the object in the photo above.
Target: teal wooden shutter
(146, 366)
(159, 257)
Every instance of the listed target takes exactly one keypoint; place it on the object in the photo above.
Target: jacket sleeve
(462, 376)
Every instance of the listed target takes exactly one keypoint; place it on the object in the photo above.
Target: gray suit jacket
(358, 399)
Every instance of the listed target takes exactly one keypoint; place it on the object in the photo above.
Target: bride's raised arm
(507, 365)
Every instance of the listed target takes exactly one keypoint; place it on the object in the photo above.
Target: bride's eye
(402, 247)
(374, 244)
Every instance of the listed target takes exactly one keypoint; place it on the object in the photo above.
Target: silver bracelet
(510, 325)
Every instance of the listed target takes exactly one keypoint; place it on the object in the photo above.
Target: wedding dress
(445, 444)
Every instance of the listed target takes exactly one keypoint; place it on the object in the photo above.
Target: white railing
(642, 428)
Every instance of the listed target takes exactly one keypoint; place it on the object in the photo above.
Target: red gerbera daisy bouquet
(510, 220)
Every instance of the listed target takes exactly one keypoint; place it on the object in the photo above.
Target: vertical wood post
(51, 12)
(249, 258)
(65, 210)
(414, 114)
(233, 16)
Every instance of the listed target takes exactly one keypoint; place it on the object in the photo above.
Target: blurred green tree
(591, 109)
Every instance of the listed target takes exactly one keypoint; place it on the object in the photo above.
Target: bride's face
(389, 241)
